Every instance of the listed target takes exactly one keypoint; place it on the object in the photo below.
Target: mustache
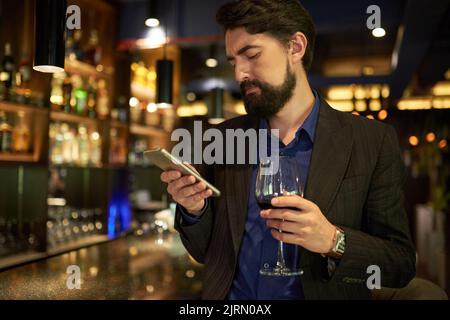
(250, 83)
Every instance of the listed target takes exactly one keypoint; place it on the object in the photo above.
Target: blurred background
(75, 188)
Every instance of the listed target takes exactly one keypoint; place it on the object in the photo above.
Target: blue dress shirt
(258, 247)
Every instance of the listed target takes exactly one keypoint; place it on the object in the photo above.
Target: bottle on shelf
(21, 134)
(70, 41)
(118, 152)
(83, 145)
(95, 142)
(57, 91)
(80, 95)
(66, 144)
(5, 133)
(92, 98)
(23, 77)
(77, 49)
(92, 54)
(7, 72)
(102, 99)
(121, 110)
(75, 146)
(56, 144)
(67, 89)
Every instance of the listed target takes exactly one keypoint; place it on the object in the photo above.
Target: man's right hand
(186, 191)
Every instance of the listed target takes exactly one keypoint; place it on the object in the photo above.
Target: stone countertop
(154, 267)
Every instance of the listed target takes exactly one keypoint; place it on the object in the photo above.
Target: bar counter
(132, 267)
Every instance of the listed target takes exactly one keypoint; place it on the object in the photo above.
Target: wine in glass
(270, 184)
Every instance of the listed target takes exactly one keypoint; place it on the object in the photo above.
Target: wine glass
(274, 181)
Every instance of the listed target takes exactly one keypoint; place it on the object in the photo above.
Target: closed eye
(254, 56)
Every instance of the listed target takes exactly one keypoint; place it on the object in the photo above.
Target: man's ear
(298, 45)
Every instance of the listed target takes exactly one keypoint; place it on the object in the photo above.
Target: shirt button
(266, 266)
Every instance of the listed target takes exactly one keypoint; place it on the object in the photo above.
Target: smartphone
(164, 160)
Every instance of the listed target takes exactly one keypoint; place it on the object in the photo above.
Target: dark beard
(271, 99)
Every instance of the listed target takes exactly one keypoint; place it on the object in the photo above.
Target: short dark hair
(279, 18)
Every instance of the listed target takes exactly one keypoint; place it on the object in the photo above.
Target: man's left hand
(301, 223)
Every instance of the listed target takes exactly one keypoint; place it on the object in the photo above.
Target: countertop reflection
(134, 267)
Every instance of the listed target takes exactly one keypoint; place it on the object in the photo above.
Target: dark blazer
(355, 177)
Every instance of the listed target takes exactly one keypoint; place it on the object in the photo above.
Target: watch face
(340, 243)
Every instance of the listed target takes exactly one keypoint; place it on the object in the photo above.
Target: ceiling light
(378, 32)
(152, 22)
(50, 25)
(211, 63)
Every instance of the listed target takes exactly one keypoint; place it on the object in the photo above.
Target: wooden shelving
(13, 157)
(15, 107)
(148, 131)
(36, 116)
(73, 118)
(84, 69)
(118, 125)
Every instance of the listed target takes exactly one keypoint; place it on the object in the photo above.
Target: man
(351, 217)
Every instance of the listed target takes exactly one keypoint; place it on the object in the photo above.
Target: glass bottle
(56, 142)
(92, 98)
(95, 149)
(67, 94)
(70, 41)
(93, 51)
(7, 72)
(77, 50)
(23, 77)
(5, 133)
(66, 147)
(83, 145)
(102, 100)
(80, 95)
(21, 135)
(57, 91)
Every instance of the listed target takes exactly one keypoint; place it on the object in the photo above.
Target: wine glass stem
(280, 261)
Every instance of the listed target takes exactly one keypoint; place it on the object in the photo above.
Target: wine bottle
(21, 135)
(7, 72)
(5, 133)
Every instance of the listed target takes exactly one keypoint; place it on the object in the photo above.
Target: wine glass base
(280, 272)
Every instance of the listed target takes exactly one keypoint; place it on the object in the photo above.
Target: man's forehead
(235, 39)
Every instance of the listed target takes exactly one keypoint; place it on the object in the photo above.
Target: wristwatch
(339, 244)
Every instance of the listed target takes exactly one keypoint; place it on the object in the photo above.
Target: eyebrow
(243, 50)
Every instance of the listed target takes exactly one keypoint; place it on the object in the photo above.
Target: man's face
(262, 68)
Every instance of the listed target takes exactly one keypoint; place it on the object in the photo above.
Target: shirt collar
(309, 125)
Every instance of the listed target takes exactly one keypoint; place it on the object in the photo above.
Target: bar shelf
(84, 69)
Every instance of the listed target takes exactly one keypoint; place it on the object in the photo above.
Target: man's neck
(295, 112)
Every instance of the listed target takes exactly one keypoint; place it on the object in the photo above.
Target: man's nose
(241, 74)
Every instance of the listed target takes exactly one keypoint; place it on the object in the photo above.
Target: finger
(281, 214)
(293, 201)
(288, 237)
(192, 189)
(170, 175)
(285, 226)
(175, 186)
(201, 195)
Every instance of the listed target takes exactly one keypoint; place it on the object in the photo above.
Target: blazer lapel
(237, 182)
(330, 157)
